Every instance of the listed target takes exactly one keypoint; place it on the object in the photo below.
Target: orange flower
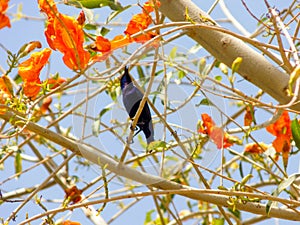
(249, 116)
(32, 88)
(141, 22)
(4, 90)
(208, 124)
(4, 20)
(69, 222)
(149, 6)
(30, 69)
(103, 44)
(81, 18)
(218, 136)
(138, 22)
(48, 7)
(42, 110)
(106, 46)
(64, 33)
(120, 41)
(39, 112)
(73, 194)
(254, 148)
(45, 105)
(282, 130)
(146, 37)
(55, 82)
(29, 47)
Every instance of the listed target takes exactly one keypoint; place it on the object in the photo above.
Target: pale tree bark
(255, 67)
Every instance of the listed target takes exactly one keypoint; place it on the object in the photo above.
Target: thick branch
(102, 159)
(255, 67)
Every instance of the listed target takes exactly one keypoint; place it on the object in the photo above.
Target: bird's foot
(133, 128)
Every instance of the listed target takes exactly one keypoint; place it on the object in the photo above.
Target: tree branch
(255, 68)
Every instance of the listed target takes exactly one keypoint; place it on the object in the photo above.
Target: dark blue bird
(132, 97)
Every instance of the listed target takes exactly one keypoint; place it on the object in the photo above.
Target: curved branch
(226, 48)
(100, 158)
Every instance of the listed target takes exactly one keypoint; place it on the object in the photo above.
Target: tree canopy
(221, 80)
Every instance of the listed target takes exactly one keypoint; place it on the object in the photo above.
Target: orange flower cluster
(139, 22)
(30, 70)
(4, 20)
(283, 132)
(217, 135)
(65, 34)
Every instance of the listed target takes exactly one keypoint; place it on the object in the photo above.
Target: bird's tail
(149, 133)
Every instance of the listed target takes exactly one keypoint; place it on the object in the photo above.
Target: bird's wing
(131, 95)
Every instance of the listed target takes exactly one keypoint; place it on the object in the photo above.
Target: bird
(132, 97)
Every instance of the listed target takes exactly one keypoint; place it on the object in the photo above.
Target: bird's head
(125, 79)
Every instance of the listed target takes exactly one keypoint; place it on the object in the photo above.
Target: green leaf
(91, 4)
(138, 163)
(281, 187)
(296, 132)
(113, 96)
(194, 49)
(173, 53)
(103, 111)
(218, 78)
(18, 162)
(148, 218)
(157, 146)
(18, 79)
(181, 74)
(141, 141)
(241, 169)
(19, 11)
(218, 221)
(198, 150)
(237, 213)
(96, 127)
(115, 13)
(222, 188)
(223, 68)
(294, 76)
(90, 26)
(202, 65)
(205, 101)
(236, 64)
(104, 31)
(97, 122)
(140, 72)
(246, 179)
